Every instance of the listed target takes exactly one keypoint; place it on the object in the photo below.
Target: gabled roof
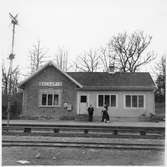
(50, 63)
(115, 81)
(103, 80)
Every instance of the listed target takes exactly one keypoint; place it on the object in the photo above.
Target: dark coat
(105, 115)
(90, 110)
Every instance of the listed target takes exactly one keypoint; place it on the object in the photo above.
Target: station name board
(50, 83)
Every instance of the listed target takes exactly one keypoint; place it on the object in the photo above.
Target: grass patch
(159, 114)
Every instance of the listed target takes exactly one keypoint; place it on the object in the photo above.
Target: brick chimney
(111, 68)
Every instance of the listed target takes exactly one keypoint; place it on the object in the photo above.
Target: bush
(16, 106)
(160, 108)
(151, 118)
(159, 98)
(4, 112)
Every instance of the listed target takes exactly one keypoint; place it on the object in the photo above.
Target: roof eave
(88, 88)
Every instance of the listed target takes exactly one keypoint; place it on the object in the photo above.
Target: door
(83, 104)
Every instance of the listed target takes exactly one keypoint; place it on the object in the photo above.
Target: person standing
(105, 115)
(90, 113)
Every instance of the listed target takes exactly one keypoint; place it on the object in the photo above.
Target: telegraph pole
(11, 57)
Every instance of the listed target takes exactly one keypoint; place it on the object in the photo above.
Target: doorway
(83, 104)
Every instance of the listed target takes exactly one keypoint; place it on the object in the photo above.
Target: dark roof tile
(121, 80)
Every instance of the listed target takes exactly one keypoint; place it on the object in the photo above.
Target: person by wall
(105, 115)
(90, 113)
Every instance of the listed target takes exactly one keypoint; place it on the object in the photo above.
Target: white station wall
(120, 110)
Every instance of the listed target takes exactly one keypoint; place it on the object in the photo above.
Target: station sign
(50, 84)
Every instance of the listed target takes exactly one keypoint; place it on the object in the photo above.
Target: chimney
(111, 68)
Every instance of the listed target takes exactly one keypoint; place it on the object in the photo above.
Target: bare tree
(37, 56)
(61, 59)
(89, 62)
(160, 66)
(105, 57)
(6, 80)
(128, 50)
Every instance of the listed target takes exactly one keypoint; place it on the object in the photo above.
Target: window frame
(53, 92)
(107, 94)
(131, 107)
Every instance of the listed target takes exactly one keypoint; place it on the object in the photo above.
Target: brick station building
(52, 93)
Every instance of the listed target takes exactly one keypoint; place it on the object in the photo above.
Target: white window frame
(50, 91)
(133, 108)
(97, 99)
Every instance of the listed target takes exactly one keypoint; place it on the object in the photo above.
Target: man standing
(90, 112)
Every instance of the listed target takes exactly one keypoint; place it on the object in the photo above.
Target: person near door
(90, 113)
(105, 115)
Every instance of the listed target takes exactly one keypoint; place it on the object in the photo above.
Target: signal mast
(14, 22)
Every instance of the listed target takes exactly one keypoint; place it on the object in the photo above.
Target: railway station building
(52, 93)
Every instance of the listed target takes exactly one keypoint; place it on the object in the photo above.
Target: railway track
(83, 130)
(78, 144)
(74, 130)
(90, 135)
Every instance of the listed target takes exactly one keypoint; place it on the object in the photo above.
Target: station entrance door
(83, 104)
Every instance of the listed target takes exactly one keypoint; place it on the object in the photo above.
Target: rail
(86, 129)
(80, 144)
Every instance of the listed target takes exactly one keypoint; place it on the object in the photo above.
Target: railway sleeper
(115, 132)
(142, 133)
(27, 130)
(56, 130)
(85, 131)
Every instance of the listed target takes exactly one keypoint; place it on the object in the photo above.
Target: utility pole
(11, 57)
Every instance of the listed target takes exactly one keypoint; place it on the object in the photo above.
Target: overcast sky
(77, 25)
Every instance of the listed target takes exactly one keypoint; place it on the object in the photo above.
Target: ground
(82, 156)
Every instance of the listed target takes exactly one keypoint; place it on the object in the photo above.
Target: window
(100, 100)
(56, 99)
(128, 101)
(44, 99)
(49, 98)
(83, 99)
(134, 101)
(141, 101)
(113, 100)
(109, 100)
